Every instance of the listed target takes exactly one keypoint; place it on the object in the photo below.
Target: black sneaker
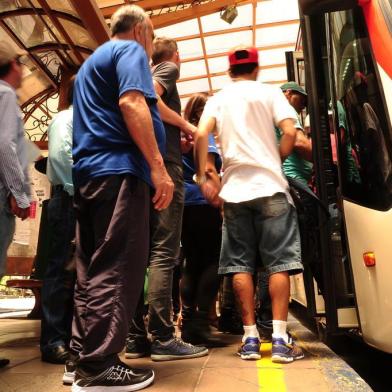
(175, 349)
(137, 348)
(69, 372)
(119, 378)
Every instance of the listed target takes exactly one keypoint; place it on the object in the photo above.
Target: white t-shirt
(246, 114)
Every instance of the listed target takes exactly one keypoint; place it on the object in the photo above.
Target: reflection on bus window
(362, 135)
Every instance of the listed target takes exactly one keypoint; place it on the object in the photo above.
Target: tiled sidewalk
(220, 371)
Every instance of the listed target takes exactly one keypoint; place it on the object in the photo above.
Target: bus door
(304, 287)
(349, 85)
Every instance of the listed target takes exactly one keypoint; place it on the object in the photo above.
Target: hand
(186, 145)
(21, 213)
(210, 190)
(189, 130)
(164, 188)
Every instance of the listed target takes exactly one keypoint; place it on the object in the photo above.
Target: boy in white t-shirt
(259, 218)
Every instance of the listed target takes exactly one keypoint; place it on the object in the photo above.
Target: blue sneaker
(283, 352)
(175, 349)
(250, 349)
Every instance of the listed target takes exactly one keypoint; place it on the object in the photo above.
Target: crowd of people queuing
(135, 180)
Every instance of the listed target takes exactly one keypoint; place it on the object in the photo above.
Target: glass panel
(178, 30)
(363, 137)
(62, 5)
(223, 43)
(276, 35)
(191, 48)
(218, 64)
(273, 56)
(214, 22)
(193, 68)
(31, 30)
(11, 5)
(219, 82)
(193, 86)
(273, 74)
(275, 11)
(78, 34)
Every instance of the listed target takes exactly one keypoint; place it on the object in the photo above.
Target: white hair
(127, 17)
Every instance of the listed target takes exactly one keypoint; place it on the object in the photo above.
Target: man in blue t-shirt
(117, 131)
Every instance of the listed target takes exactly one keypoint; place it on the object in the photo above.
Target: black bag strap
(301, 187)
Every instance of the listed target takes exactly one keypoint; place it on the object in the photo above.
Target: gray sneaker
(175, 349)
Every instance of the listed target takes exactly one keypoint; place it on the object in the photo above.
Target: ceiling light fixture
(229, 13)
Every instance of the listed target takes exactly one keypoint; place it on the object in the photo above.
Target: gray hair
(127, 17)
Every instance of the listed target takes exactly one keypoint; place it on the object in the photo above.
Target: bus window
(362, 135)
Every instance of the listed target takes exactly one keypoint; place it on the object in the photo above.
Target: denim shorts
(263, 229)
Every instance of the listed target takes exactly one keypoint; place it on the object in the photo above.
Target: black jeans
(201, 241)
(58, 285)
(112, 242)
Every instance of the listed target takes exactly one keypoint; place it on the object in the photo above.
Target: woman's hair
(194, 107)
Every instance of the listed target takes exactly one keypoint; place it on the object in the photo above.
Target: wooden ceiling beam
(203, 45)
(214, 74)
(195, 11)
(239, 29)
(44, 5)
(107, 12)
(254, 8)
(216, 90)
(93, 20)
(156, 4)
(260, 48)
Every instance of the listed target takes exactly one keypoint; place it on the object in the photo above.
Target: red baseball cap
(244, 56)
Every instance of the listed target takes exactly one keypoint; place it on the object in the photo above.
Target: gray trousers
(112, 242)
(164, 253)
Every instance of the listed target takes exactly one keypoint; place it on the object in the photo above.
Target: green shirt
(295, 166)
(352, 174)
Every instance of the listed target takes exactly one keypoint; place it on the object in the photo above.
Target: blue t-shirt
(193, 195)
(101, 142)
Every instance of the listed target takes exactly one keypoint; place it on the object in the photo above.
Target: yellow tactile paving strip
(270, 375)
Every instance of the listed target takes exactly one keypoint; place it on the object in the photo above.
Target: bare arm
(303, 146)
(287, 140)
(137, 117)
(212, 186)
(200, 150)
(170, 116)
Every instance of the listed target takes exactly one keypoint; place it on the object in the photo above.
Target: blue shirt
(193, 195)
(14, 176)
(59, 166)
(101, 142)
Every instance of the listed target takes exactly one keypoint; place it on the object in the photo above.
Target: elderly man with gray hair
(118, 139)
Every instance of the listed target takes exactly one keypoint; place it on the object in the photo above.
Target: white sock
(250, 331)
(280, 329)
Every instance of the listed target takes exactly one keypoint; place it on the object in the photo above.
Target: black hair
(242, 69)
(70, 90)
(5, 69)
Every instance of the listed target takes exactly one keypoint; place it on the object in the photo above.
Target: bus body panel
(387, 87)
(370, 230)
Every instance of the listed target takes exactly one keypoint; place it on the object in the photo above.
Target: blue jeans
(58, 285)
(7, 229)
(265, 228)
